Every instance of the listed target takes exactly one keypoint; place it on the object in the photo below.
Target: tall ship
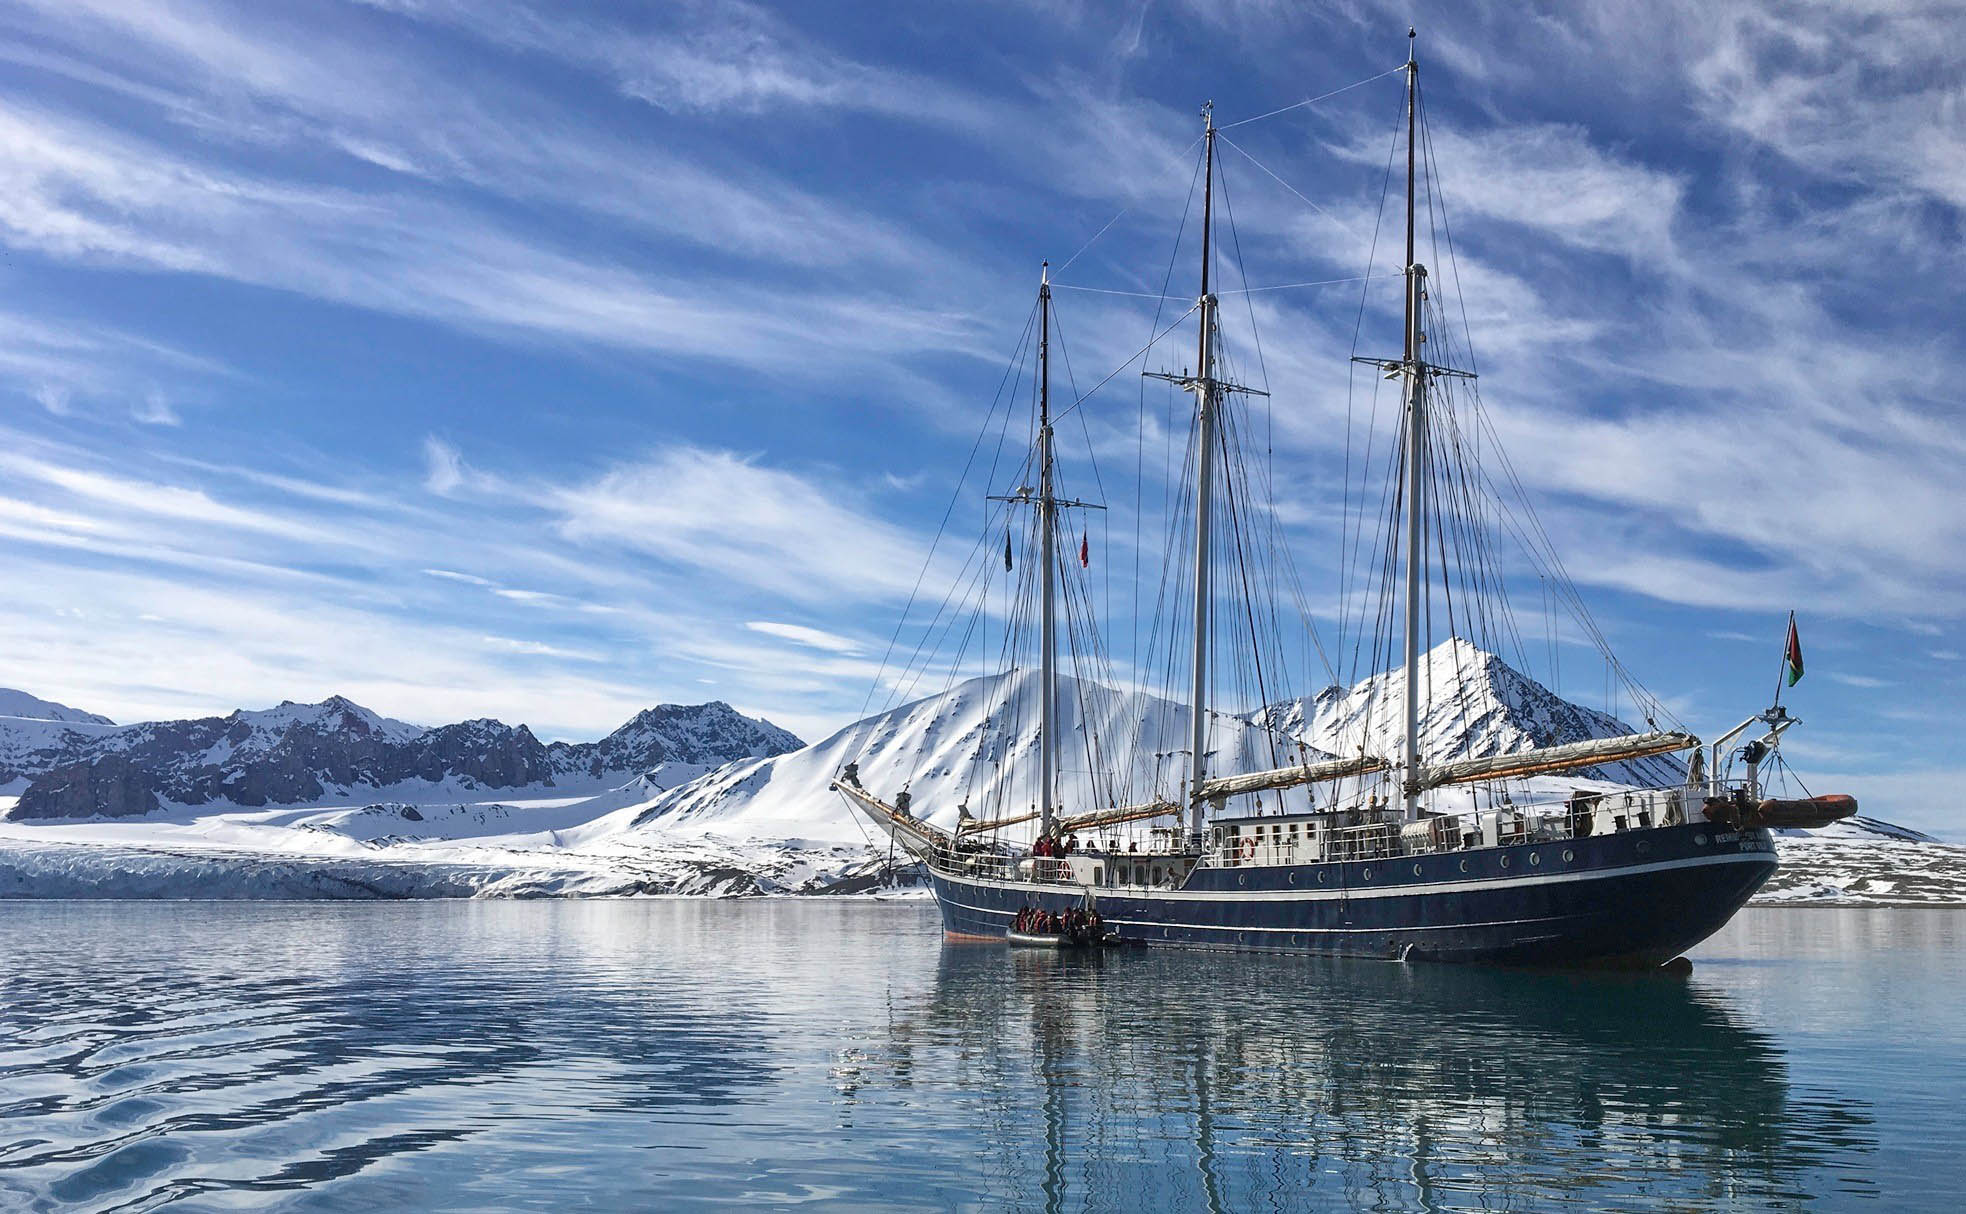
(1333, 823)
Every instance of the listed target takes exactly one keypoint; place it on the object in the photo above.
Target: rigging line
(1137, 355)
(1175, 158)
(1140, 424)
(1293, 189)
(1454, 263)
(1351, 537)
(1066, 286)
(1298, 105)
(1291, 286)
(1016, 361)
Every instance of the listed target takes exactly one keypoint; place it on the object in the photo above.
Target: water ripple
(678, 1054)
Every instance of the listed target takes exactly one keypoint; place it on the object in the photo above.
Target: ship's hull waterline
(1635, 899)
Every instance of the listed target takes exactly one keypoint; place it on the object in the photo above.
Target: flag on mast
(1792, 656)
(1085, 550)
(1006, 550)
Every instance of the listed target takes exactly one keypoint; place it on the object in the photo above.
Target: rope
(1298, 105)
(1293, 189)
(1291, 286)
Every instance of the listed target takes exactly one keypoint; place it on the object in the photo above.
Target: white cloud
(1860, 680)
(155, 410)
(735, 518)
(812, 638)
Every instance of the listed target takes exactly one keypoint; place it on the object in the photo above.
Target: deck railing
(1577, 816)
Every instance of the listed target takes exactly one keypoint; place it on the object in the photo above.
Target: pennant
(1006, 551)
(1792, 656)
(1085, 551)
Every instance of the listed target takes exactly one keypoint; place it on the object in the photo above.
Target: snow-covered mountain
(949, 749)
(298, 753)
(20, 704)
(1473, 705)
(974, 745)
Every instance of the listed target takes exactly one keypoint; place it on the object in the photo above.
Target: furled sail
(1548, 759)
(1113, 817)
(1072, 822)
(1290, 777)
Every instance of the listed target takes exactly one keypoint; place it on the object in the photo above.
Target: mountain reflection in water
(685, 1054)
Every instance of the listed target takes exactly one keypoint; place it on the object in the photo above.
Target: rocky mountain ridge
(296, 753)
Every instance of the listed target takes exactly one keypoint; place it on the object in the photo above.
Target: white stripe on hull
(1327, 893)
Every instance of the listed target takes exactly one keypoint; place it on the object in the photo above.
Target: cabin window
(1098, 875)
(1156, 874)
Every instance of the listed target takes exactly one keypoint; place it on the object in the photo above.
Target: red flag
(1085, 552)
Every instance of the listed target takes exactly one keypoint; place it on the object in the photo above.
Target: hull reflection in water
(1336, 1084)
(774, 1053)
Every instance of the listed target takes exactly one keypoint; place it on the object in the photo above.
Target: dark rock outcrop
(109, 787)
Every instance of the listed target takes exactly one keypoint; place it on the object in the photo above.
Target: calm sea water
(676, 1054)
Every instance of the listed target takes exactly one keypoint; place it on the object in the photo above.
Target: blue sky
(545, 362)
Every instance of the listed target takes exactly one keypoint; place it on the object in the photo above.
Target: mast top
(1411, 34)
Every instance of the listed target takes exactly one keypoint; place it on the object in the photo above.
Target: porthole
(1701, 840)
(1644, 846)
(1568, 855)
(1534, 858)
(1416, 870)
(1464, 866)
(1241, 880)
(1293, 878)
(1368, 874)
(1505, 861)
(1320, 878)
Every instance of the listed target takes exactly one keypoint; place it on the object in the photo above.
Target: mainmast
(1416, 455)
(1209, 392)
(1207, 395)
(1413, 367)
(1047, 543)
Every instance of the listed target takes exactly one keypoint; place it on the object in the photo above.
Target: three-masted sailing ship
(1369, 849)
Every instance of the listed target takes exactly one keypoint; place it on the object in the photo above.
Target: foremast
(1050, 508)
(1048, 554)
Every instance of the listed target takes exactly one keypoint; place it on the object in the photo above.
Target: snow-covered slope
(954, 749)
(1473, 704)
(20, 704)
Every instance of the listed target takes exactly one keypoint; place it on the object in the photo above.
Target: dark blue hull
(1637, 898)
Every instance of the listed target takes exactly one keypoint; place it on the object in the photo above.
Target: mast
(1047, 528)
(1416, 453)
(1206, 397)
